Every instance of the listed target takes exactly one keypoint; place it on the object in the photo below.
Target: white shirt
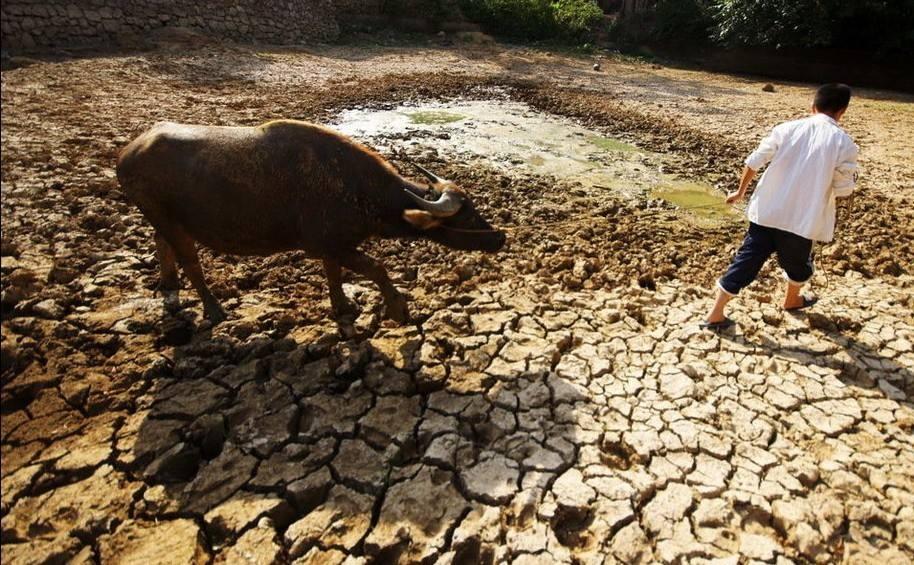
(812, 162)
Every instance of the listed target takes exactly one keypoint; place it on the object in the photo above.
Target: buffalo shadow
(347, 419)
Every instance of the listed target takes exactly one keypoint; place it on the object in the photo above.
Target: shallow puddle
(610, 144)
(697, 200)
(433, 117)
(518, 139)
(511, 136)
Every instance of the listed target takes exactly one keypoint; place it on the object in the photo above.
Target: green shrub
(776, 23)
(534, 19)
(575, 17)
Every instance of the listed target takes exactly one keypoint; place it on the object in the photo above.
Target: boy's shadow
(861, 367)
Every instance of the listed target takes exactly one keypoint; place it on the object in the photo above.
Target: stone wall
(29, 24)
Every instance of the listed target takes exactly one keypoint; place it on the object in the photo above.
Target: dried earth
(554, 403)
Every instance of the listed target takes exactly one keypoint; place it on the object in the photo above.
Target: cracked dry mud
(553, 404)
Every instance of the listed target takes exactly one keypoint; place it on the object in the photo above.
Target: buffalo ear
(421, 219)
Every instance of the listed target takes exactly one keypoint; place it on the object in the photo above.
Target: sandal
(807, 302)
(715, 326)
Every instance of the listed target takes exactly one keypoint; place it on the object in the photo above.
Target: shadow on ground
(378, 445)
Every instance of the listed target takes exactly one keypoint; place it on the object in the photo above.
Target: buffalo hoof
(344, 309)
(397, 310)
(172, 301)
(214, 313)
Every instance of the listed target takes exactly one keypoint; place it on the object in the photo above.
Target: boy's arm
(755, 161)
(740, 193)
(845, 178)
(766, 149)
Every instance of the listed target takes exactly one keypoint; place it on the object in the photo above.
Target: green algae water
(610, 144)
(697, 200)
(433, 117)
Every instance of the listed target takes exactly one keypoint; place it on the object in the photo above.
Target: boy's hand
(745, 179)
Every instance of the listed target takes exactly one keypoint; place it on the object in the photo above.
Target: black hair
(832, 98)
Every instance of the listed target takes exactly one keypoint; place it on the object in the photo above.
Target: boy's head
(832, 99)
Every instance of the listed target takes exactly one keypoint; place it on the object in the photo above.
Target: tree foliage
(534, 19)
(778, 23)
(885, 27)
(574, 17)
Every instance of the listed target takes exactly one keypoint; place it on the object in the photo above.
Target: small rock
(359, 463)
(60, 549)
(177, 465)
(420, 512)
(596, 66)
(340, 522)
(310, 491)
(809, 541)
(257, 545)
(292, 463)
(630, 544)
(759, 547)
(48, 309)
(570, 490)
(493, 479)
(219, 479)
(666, 508)
(318, 556)
(241, 511)
(768, 87)
(93, 504)
(174, 541)
(62, 274)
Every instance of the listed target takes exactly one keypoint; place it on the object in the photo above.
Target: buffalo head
(451, 219)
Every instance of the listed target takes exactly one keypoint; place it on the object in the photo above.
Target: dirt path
(554, 403)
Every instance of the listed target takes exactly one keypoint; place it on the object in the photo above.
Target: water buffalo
(286, 185)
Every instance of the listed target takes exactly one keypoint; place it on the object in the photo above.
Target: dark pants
(794, 256)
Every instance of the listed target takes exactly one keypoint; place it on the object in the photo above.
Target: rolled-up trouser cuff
(720, 285)
(797, 283)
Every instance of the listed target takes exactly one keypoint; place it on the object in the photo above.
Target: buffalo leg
(364, 265)
(341, 305)
(168, 268)
(168, 273)
(186, 252)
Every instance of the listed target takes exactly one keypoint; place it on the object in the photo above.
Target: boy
(812, 162)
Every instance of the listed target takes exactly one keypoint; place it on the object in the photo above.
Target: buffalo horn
(447, 204)
(431, 176)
